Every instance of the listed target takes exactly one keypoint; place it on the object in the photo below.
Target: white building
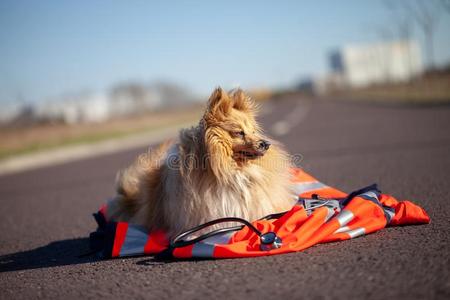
(363, 65)
(91, 108)
(10, 111)
(86, 107)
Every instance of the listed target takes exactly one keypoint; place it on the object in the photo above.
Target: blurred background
(77, 72)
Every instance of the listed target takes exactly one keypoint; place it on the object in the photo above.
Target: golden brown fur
(221, 168)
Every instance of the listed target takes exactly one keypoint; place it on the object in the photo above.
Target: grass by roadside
(21, 141)
(430, 89)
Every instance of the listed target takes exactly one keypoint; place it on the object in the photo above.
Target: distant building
(10, 111)
(320, 85)
(123, 100)
(363, 65)
(79, 108)
(133, 98)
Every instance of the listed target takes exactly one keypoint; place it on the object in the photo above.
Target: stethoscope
(268, 240)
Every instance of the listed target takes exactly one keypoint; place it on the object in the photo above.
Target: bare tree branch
(446, 5)
(426, 15)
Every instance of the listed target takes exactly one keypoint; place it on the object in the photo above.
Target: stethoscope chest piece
(270, 241)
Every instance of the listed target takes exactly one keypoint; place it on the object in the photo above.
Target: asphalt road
(46, 217)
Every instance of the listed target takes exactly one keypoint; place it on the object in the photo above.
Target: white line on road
(295, 117)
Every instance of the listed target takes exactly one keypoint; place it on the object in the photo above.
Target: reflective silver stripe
(205, 248)
(219, 239)
(391, 214)
(342, 229)
(135, 240)
(356, 232)
(201, 249)
(304, 187)
(329, 214)
(344, 217)
(370, 194)
(352, 233)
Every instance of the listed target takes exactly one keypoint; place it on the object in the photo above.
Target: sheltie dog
(223, 167)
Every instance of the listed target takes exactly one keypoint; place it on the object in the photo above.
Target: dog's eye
(239, 133)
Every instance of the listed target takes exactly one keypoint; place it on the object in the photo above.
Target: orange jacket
(342, 218)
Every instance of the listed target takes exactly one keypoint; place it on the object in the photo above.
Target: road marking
(295, 117)
(281, 128)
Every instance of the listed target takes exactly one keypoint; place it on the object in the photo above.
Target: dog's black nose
(263, 145)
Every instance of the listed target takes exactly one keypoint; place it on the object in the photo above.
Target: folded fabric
(322, 214)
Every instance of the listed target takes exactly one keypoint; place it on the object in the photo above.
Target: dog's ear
(243, 102)
(219, 103)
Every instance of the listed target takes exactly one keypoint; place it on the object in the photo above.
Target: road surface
(46, 217)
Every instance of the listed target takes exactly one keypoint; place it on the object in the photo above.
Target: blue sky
(48, 48)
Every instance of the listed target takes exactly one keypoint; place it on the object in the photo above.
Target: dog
(223, 167)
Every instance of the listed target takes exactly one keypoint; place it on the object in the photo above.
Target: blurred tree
(403, 22)
(446, 5)
(426, 15)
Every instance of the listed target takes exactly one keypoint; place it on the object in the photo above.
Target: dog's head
(231, 131)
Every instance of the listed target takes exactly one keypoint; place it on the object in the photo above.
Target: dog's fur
(223, 167)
